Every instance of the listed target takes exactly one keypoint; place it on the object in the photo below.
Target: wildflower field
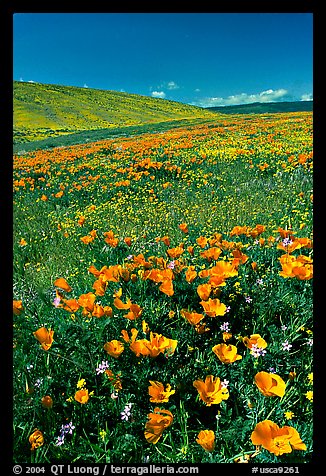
(162, 296)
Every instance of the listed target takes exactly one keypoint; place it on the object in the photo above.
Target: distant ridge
(48, 110)
(261, 108)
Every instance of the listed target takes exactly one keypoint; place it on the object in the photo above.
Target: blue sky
(206, 59)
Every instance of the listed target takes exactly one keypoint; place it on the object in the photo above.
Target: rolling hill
(47, 110)
(262, 108)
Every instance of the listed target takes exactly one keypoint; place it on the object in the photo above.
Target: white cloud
(85, 85)
(197, 90)
(158, 94)
(270, 95)
(172, 85)
(306, 97)
(31, 81)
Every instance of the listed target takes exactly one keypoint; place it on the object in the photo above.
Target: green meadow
(162, 289)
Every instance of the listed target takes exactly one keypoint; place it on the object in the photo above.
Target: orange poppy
(134, 312)
(206, 439)
(17, 307)
(127, 240)
(100, 287)
(45, 337)
(270, 385)
(211, 391)
(157, 392)
(114, 348)
(254, 339)
(175, 252)
(167, 287)
(125, 335)
(36, 439)
(70, 305)
(213, 307)
(87, 301)
(277, 440)
(62, 284)
(120, 305)
(184, 227)
(202, 241)
(81, 220)
(158, 422)
(47, 402)
(211, 253)
(203, 291)
(82, 396)
(226, 353)
(192, 317)
(190, 274)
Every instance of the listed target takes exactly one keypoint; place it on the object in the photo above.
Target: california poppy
(211, 391)
(158, 422)
(167, 287)
(47, 402)
(226, 353)
(184, 227)
(192, 317)
(45, 337)
(17, 307)
(62, 284)
(82, 396)
(204, 291)
(269, 384)
(213, 307)
(87, 301)
(206, 439)
(254, 339)
(36, 439)
(121, 305)
(157, 392)
(114, 348)
(134, 312)
(275, 439)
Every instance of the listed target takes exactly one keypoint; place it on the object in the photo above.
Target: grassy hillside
(262, 108)
(47, 110)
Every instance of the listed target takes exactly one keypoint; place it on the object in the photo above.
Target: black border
(6, 78)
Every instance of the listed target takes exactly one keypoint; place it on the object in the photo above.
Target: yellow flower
(310, 395)
(289, 415)
(310, 377)
(81, 383)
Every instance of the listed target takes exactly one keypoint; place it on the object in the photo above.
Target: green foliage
(213, 177)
